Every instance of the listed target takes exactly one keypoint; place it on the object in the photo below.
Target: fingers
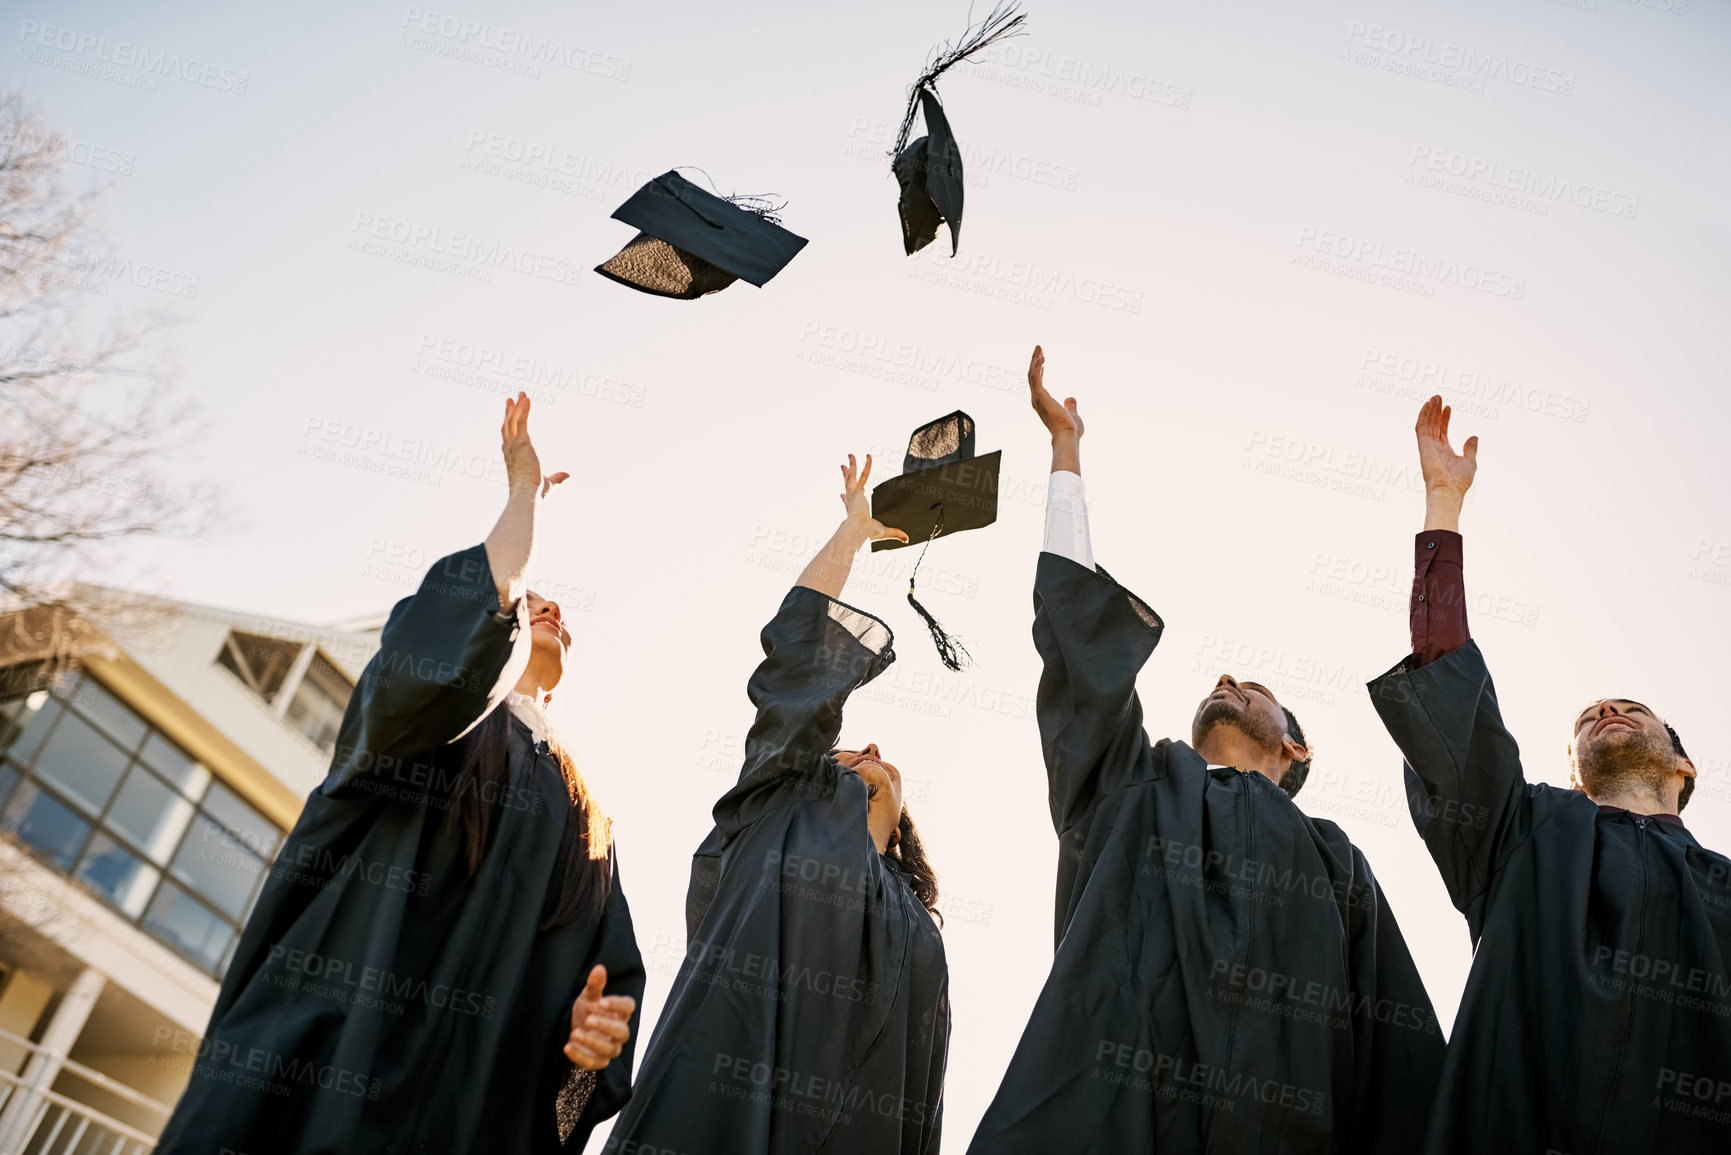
(1037, 367)
(867, 472)
(597, 1032)
(592, 1058)
(1427, 415)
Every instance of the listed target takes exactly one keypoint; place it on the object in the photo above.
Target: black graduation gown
(811, 1012)
(1597, 1014)
(1228, 977)
(380, 998)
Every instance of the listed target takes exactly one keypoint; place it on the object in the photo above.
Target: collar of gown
(533, 716)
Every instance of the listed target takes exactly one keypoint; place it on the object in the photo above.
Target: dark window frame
(26, 771)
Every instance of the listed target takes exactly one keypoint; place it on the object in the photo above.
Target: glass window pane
(81, 762)
(316, 709)
(256, 832)
(8, 779)
(151, 814)
(260, 662)
(126, 879)
(40, 820)
(213, 864)
(114, 716)
(181, 920)
(21, 737)
(176, 765)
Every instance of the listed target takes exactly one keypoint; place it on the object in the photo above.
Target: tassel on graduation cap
(693, 243)
(950, 652)
(943, 489)
(930, 169)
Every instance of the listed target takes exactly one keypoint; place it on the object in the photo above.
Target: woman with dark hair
(441, 959)
(811, 1012)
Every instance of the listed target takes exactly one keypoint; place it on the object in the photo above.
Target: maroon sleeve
(1438, 612)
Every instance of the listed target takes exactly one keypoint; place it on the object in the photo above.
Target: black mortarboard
(693, 242)
(929, 170)
(943, 489)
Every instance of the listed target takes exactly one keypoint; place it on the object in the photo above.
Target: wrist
(1442, 510)
(856, 528)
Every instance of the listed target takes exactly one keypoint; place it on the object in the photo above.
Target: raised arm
(1465, 788)
(1093, 635)
(511, 545)
(828, 571)
(452, 650)
(817, 651)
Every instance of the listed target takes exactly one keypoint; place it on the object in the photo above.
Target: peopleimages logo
(1457, 58)
(87, 46)
(1412, 263)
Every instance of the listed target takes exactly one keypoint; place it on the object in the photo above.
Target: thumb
(593, 989)
(1471, 449)
(557, 478)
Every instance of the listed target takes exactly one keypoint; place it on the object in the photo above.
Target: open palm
(1443, 468)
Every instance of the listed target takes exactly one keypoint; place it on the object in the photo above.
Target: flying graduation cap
(693, 243)
(943, 489)
(930, 169)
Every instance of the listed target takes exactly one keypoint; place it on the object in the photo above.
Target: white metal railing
(36, 1120)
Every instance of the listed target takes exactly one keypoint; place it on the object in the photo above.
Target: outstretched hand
(1060, 420)
(600, 1024)
(522, 464)
(859, 506)
(1445, 471)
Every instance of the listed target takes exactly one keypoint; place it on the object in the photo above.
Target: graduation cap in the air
(943, 489)
(930, 169)
(694, 242)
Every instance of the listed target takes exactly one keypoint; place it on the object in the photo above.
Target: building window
(262, 663)
(316, 709)
(93, 790)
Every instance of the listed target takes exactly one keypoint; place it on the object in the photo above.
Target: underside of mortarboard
(929, 170)
(693, 243)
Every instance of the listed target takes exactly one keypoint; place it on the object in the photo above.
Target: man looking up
(1597, 1014)
(1228, 974)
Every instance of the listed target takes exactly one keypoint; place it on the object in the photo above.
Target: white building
(143, 794)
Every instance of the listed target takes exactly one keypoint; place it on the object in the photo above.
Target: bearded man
(1597, 1014)
(1228, 975)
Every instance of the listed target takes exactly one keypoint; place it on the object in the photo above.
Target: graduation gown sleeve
(816, 651)
(1465, 788)
(447, 656)
(1093, 636)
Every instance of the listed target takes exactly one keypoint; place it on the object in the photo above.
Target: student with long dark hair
(812, 1010)
(442, 959)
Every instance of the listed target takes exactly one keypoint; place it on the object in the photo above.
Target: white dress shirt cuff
(1067, 518)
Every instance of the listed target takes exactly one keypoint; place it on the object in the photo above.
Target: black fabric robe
(1228, 977)
(381, 999)
(811, 1012)
(1597, 1014)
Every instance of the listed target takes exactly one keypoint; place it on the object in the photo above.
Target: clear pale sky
(1251, 237)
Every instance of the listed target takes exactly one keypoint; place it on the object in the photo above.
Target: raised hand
(522, 464)
(828, 570)
(1447, 474)
(1063, 422)
(858, 504)
(600, 1024)
(1443, 468)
